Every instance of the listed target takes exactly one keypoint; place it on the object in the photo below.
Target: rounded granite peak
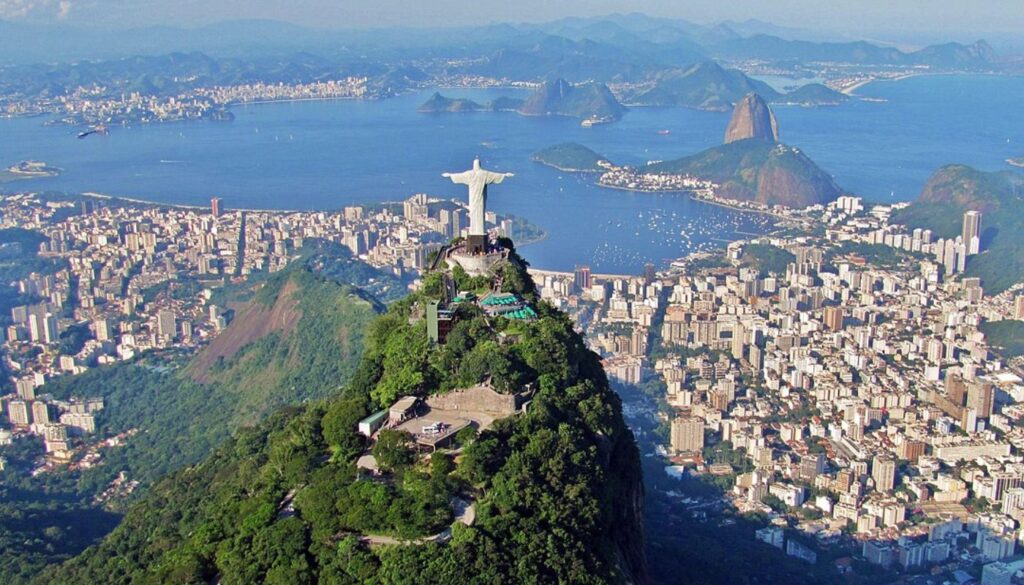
(752, 118)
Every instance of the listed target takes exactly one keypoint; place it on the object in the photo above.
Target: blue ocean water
(324, 155)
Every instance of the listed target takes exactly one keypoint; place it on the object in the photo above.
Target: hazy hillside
(299, 339)
(760, 171)
(706, 86)
(954, 189)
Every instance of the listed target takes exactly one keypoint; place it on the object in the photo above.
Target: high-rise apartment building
(972, 232)
(833, 318)
(883, 471)
(687, 435)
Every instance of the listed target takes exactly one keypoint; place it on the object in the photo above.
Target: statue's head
(476, 163)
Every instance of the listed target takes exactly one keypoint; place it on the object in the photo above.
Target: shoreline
(875, 78)
(708, 200)
(298, 100)
(189, 207)
(652, 191)
(565, 169)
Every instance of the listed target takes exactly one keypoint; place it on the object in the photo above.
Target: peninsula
(750, 170)
(572, 157)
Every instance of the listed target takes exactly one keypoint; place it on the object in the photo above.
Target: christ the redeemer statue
(477, 179)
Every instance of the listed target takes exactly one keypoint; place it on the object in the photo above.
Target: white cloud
(18, 9)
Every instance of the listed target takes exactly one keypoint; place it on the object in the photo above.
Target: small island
(592, 102)
(572, 157)
(31, 169)
(1016, 162)
(813, 95)
(439, 104)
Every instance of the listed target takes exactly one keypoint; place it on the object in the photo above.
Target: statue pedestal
(477, 264)
(476, 245)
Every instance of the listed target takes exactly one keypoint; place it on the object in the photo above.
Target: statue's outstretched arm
(462, 178)
(498, 177)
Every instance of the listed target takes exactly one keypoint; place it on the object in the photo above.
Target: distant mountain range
(610, 48)
(709, 86)
(772, 48)
(648, 61)
(705, 86)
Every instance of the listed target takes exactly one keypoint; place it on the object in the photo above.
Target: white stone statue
(477, 179)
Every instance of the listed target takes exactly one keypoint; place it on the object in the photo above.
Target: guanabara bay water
(327, 154)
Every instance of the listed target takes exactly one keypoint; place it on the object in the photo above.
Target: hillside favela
(359, 293)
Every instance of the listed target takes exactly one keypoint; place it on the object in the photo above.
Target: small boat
(97, 129)
(664, 132)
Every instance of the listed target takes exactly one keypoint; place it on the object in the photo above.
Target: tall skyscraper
(833, 318)
(739, 340)
(687, 435)
(949, 257)
(972, 232)
(883, 471)
(42, 327)
(215, 206)
(981, 397)
(582, 278)
(1018, 308)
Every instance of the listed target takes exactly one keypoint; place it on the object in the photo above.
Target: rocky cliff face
(561, 98)
(752, 118)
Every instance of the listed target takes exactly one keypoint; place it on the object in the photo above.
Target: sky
(859, 16)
